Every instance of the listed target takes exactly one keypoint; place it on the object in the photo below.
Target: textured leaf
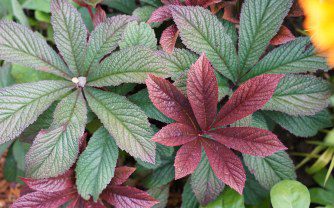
(226, 165)
(124, 121)
(138, 35)
(203, 32)
(204, 183)
(187, 159)
(249, 140)
(168, 38)
(170, 101)
(270, 170)
(54, 151)
(19, 13)
(155, 3)
(297, 56)
(21, 105)
(161, 176)
(70, 34)
(301, 126)
(96, 165)
(142, 99)
(284, 35)
(144, 13)
(22, 74)
(130, 65)
(29, 49)
(300, 95)
(202, 91)
(254, 192)
(125, 6)
(121, 175)
(188, 197)
(161, 14)
(161, 194)
(260, 20)
(104, 39)
(6, 79)
(163, 156)
(175, 134)
(248, 98)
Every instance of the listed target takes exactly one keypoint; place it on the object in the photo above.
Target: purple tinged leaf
(202, 91)
(161, 14)
(121, 175)
(168, 38)
(248, 98)
(249, 140)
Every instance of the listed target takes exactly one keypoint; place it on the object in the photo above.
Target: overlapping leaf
(6, 78)
(168, 38)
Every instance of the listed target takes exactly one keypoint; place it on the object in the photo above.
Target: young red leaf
(99, 16)
(44, 199)
(168, 38)
(54, 184)
(128, 197)
(248, 98)
(161, 14)
(187, 158)
(284, 35)
(226, 165)
(175, 134)
(170, 101)
(121, 175)
(248, 140)
(202, 91)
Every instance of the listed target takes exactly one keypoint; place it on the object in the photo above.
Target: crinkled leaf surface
(201, 32)
(188, 197)
(96, 165)
(22, 104)
(168, 38)
(130, 65)
(54, 151)
(126, 122)
(300, 95)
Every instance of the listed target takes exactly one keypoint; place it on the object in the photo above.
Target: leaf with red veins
(128, 197)
(249, 140)
(202, 91)
(202, 3)
(248, 98)
(54, 184)
(226, 165)
(284, 35)
(160, 15)
(170, 101)
(44, 199)
(175, 134)
(168, 38)
(121, 175)
(187, 158)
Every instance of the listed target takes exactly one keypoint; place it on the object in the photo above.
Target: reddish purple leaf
(187, 158)
(295, 10)
(44, 199)
(99, 16)
(175, 134)
(54, 184)
(248, 98)
(284, 35)
(170, 101)
(26, 190)
(128, 197)
(202, 91)
(161, 14)
(226, 165)
(168, 38)
(121, 175)
(203, 3)
(249, 140)
(79, 202)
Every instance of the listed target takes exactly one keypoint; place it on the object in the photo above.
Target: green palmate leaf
(231, 30)
(294, 57)
(22, 74)
(261, 121)
(228, 199)
(20, 45)
(178, 62)
(161, 194)
(260, 20)
(125, 6)
(303, 126)
(290, 193)
(254, 193)
(6, 79)
(104, 39)
(188, 197)
(22, 104)
(54, 151)
(138, 35)
(204, 182)
(126, 122)
(142, 99)
(144, 13)
(70, 34)
(270, 170)
(161, 176)
(203, 32)
(123, 89)
(164, 156)
(300, 95)
(96, 165)
(130, 65)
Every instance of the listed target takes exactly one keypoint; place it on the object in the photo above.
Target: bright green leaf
(125, 6)
(6, 79)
